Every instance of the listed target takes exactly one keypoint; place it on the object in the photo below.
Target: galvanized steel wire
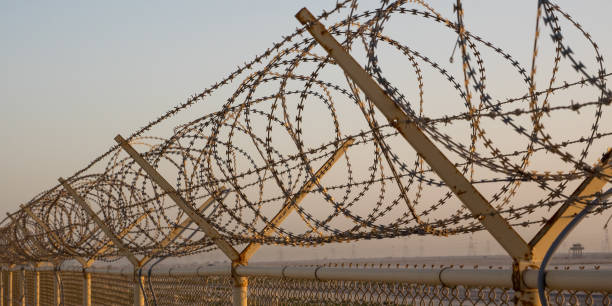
(279, 116)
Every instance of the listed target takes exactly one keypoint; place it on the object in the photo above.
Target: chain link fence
(188, 290)
(112, 289)
(184, 288)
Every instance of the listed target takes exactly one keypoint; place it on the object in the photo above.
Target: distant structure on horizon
(471, 251)
(576, 250)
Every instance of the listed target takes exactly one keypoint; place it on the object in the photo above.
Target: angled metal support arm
(107, 231)
(542, 241)
(178, 230)
(291, 203)
(208, 229)
(481, 209)
(121, 234)
(52, 235)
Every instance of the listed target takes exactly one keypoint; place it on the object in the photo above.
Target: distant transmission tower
(421, 247)
(606, 242)
(471, 248)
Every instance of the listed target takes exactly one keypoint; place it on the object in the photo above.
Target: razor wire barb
(288, 110)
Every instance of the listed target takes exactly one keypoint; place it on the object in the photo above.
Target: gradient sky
(73, 74)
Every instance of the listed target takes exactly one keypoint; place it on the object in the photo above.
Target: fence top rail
(586, 280)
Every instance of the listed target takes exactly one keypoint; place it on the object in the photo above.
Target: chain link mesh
(30, 286)
(71, 284)
(270, 291)
(111, 289)
(47, 291)
(189, 290)
(192, 289)
(17, 286)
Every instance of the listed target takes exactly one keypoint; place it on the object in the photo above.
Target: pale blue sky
(73, 74)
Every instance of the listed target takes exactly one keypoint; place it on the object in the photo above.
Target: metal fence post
(239, 291)
(138, 289)
(9, 286)
(86, 288)
(36, 285)
(57, 289)
(2, 286)
(22, 283)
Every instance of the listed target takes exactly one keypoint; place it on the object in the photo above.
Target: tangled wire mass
(292, 107)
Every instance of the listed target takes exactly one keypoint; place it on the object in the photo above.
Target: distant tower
(606, 242)
(576, 250)
(471, 247)
(353, 252)
(421, 247)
